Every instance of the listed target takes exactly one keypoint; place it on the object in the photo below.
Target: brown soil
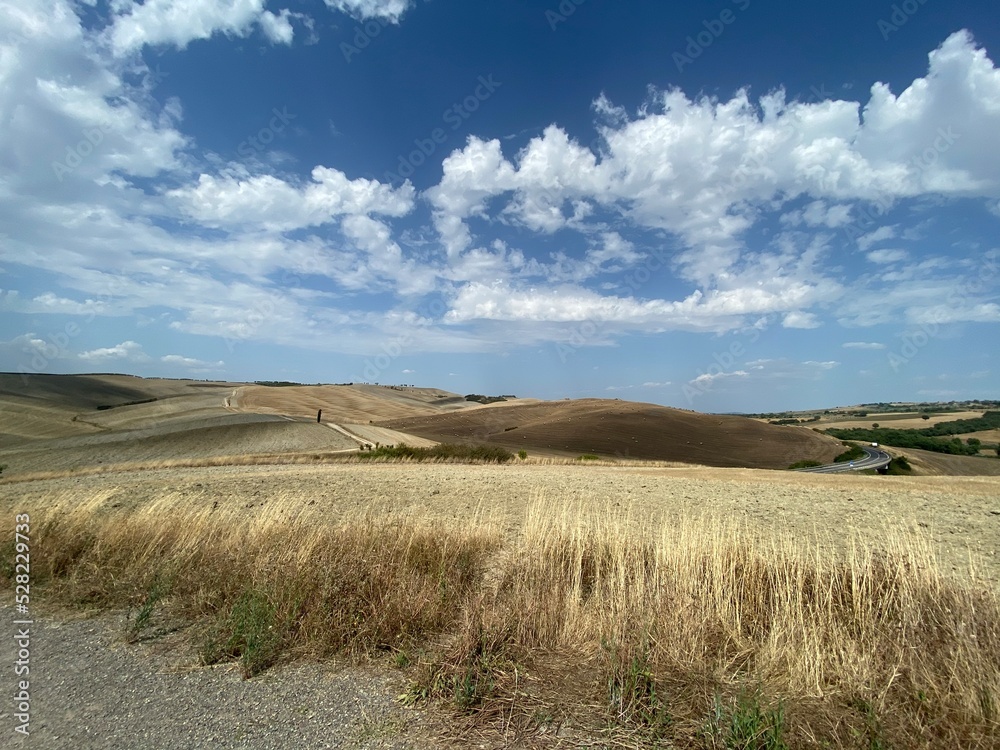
(626, 429)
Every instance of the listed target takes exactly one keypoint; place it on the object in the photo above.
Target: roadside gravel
(91, 689)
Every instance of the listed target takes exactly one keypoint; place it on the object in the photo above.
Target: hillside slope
(356, 403)
(626, 429)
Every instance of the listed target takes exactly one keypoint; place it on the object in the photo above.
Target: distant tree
(925, 416)
(974, 442)
(874, 425)
(998, 451)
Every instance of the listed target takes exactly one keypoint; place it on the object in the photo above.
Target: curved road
(874, 459)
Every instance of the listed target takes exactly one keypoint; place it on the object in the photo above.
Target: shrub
(807, 464)
(522, 454)
(444, 451)
(852, 453)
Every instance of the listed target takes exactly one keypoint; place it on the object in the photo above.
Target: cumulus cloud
(237, 199)
(701, 168)
(179, 22)
(799, 319)
(254, 255)
(129, 351)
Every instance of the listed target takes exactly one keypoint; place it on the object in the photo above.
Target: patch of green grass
(134, 627)
(633, 695)
(589, 457)
(745, 725)
(252, 634)
(522, 454)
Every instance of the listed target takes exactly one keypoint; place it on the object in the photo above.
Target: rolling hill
(623, 429)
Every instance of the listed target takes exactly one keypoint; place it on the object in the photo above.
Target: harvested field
(627, 430)
(527, 592)
(349, 403)
(958, 513)
(228, 435)
(894, 420)
(931, 463)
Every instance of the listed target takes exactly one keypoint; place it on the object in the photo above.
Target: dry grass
(698, 634)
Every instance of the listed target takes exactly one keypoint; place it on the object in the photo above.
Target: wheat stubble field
(551, 602)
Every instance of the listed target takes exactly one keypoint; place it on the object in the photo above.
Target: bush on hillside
(444, 451)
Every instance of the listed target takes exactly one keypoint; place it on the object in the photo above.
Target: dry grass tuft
(696, 634)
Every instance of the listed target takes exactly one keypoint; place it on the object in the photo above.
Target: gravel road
(91, 689)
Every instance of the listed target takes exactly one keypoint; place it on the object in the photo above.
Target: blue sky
(726, 206)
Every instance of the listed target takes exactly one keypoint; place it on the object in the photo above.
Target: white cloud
(236, 200)
(178, 22)
(862, 345)
(700, 169)
(129, 351)
(820, 214)
(389, 10)
(717, 310)
(964, 311)
(879, 235)
(708, 378)
(888, 255)
(799, 319)
(190, 363)
(277, 28)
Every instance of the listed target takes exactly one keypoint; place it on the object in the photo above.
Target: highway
(874, 459)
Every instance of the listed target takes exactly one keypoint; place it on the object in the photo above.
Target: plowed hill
(627, 430)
